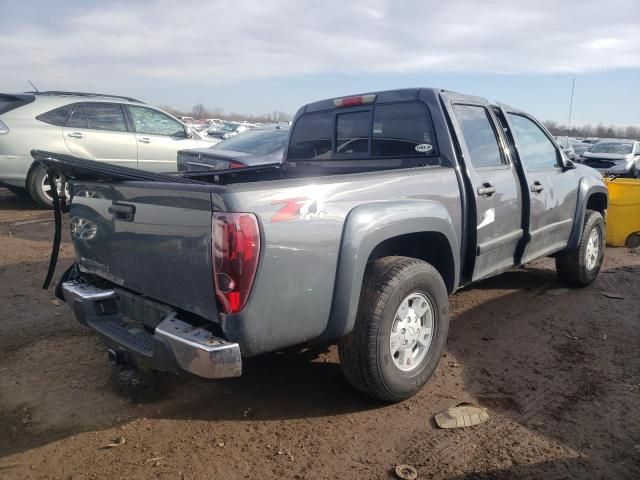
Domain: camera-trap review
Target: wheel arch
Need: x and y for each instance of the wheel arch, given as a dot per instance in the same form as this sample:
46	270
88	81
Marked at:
592	195
390	228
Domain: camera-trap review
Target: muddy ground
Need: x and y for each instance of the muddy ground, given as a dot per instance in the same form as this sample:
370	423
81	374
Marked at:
558	369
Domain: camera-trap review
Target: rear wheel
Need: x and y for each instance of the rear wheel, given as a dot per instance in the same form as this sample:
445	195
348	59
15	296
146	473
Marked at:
400	330
633	240
39	187
581	266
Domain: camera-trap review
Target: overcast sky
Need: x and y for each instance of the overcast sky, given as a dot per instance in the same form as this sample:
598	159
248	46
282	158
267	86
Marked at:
257	56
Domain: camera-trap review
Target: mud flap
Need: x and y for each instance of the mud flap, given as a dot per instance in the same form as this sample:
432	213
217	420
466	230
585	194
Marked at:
59	207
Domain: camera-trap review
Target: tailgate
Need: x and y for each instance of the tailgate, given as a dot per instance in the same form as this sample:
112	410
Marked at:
151	238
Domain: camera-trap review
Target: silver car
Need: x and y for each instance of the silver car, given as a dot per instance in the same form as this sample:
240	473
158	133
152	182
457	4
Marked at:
614	157
106	128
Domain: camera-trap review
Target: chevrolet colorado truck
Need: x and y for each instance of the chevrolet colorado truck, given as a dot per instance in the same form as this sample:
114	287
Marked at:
384	205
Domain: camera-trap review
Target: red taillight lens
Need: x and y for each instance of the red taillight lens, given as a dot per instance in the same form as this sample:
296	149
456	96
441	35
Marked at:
235	249
234	164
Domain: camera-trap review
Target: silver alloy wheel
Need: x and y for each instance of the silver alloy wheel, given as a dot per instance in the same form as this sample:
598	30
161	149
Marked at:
593	249
412	332
83	229
46	188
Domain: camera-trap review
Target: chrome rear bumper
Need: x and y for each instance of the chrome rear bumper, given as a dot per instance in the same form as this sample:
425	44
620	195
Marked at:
174	346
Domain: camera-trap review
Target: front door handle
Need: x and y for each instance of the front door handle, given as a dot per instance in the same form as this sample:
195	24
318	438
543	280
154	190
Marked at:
122	211
486	190
75	135
537	187
144	140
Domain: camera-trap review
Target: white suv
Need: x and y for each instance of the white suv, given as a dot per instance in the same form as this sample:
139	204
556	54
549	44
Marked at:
106	128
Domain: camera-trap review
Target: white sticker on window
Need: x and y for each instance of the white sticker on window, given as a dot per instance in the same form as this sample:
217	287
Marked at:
424	147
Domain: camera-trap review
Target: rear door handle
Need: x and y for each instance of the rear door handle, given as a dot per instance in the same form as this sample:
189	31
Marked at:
144	140
537	187
486	190
75	135
123	212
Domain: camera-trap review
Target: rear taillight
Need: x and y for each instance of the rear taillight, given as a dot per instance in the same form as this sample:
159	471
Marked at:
235	249
354	101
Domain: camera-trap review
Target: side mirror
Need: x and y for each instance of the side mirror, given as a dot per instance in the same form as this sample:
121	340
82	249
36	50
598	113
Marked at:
188	132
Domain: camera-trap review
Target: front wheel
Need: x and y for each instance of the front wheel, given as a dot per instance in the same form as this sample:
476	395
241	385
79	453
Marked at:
400	330
581	266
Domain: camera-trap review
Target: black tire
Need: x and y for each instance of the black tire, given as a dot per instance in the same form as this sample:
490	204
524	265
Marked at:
572	267
633	240
34	186
365	354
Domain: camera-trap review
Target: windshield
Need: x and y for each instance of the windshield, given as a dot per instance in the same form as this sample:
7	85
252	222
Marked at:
612	147
229	127
258	142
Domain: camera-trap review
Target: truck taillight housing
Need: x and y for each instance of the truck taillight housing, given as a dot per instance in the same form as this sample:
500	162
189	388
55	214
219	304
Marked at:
354	101
235	249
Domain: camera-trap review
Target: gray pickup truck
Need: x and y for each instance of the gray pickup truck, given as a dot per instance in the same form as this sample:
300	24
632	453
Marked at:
383	206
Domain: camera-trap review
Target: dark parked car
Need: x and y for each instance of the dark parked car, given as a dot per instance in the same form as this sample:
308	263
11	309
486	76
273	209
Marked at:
385	204
255	147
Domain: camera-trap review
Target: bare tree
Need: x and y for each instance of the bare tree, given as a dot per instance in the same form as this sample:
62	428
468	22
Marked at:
199	111
171	110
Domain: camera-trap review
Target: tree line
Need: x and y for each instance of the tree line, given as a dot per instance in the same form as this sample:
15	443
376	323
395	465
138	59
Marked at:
600	130
200	112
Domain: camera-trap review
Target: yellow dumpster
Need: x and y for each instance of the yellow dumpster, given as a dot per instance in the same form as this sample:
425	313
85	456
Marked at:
623	215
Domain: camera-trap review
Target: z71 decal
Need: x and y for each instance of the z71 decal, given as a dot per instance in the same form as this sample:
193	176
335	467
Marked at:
301	208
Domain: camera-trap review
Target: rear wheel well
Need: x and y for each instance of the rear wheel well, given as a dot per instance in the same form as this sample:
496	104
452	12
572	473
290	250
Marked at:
432	247
597	202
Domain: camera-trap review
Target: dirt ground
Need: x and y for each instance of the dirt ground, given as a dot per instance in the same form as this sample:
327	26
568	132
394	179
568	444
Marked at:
558	370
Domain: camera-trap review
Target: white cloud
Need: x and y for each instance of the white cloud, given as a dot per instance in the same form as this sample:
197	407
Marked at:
217	42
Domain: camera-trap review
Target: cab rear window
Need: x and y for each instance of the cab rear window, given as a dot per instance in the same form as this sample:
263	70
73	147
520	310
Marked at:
395	130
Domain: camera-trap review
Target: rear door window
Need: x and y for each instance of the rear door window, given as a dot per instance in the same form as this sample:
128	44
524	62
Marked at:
57	116
105	116
402	130
311	137
479	136
77	119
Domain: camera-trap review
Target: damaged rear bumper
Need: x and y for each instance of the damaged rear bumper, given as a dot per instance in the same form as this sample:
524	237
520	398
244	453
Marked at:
174	346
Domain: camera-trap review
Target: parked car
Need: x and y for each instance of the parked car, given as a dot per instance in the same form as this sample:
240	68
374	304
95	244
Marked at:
614	157
566	144
227	130
254	147
105	128
579	148
359	247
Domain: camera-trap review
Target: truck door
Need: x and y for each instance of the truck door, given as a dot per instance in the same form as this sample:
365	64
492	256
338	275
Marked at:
551	186
497	197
